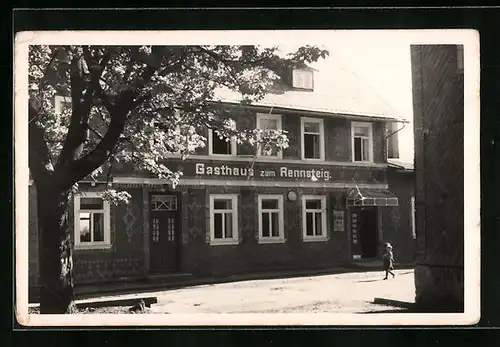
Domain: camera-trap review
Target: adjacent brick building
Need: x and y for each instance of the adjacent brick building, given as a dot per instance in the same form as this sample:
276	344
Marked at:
324	201
401	180
438	102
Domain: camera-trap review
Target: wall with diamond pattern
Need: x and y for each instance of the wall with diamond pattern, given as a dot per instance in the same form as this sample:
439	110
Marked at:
201	258
125	259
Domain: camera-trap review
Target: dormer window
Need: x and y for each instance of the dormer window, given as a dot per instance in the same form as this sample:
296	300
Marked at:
302	79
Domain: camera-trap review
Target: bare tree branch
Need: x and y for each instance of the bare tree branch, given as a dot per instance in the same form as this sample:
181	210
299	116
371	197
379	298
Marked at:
80	168
81	110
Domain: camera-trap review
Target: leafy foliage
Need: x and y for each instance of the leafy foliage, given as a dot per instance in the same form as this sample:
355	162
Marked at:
142	104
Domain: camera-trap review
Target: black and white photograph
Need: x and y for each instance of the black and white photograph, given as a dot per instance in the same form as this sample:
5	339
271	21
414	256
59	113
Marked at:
313	177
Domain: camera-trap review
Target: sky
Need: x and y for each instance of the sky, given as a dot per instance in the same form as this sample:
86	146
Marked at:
386	68
383	65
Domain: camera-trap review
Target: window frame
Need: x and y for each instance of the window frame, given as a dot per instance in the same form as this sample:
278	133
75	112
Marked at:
234	240
234	145
321	123
302	86
278	118
370	141
58	101
392	141
281	221
324	220
106	210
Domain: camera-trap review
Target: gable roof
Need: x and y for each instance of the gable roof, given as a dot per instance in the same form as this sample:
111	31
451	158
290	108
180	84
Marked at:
338	91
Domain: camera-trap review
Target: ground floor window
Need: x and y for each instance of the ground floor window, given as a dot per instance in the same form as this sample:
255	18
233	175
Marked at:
270	218
92	221
223	219
314	226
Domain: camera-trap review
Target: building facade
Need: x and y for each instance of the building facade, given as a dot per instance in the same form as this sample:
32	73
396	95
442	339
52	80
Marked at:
438	101
401	180
324	201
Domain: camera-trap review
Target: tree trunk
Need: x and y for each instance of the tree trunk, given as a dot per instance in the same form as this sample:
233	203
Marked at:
55	251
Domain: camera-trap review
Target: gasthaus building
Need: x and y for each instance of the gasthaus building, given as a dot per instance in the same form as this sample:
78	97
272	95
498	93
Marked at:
323	201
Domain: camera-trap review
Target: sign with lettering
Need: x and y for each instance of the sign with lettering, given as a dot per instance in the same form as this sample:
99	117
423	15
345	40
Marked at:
274	171
226	170
338	220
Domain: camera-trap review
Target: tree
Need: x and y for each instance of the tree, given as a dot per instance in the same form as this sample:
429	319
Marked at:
130	104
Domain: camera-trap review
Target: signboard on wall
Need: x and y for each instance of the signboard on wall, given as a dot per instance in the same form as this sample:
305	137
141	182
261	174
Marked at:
338	220
226	170
354	228
354	236
274	170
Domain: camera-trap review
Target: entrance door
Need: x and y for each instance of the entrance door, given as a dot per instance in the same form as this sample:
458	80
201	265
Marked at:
368	233
164	233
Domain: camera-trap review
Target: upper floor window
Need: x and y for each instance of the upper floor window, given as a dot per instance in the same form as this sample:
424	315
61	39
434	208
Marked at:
302	79
62	103
362	142
393	140
269	122
313	138
92	221
219	144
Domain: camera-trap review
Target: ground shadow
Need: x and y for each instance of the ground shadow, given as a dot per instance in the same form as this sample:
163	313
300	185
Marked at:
371	280
396	306
151	285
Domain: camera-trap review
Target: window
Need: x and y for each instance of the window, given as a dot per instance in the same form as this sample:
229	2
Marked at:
412	218
169	119
223	219
62	103
161	202
302	79
92	221
362	142
393	140
314	218
269	122
271	218
312	133
220	145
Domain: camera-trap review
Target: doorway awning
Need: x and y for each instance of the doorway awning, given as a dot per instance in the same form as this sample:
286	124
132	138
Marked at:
371	197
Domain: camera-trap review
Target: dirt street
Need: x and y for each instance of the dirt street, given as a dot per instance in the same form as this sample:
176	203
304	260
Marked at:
343	293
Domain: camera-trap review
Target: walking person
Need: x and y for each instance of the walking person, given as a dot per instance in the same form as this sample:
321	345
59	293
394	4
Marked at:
388	260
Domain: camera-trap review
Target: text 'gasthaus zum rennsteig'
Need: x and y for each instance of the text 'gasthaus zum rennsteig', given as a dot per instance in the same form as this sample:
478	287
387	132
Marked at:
283	172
